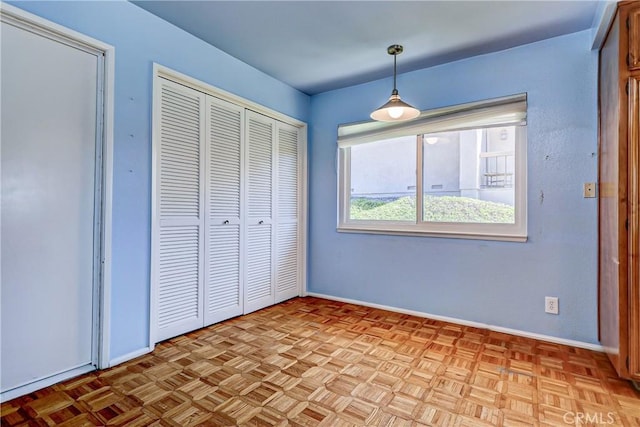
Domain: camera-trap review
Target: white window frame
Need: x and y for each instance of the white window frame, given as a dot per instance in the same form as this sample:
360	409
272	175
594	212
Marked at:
506	111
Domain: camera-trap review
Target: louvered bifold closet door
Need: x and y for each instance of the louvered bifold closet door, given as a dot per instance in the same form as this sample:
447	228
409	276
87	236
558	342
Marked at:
287	213
223	261
258	288
178	217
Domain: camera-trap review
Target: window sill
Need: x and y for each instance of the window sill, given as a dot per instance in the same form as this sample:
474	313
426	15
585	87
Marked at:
412	231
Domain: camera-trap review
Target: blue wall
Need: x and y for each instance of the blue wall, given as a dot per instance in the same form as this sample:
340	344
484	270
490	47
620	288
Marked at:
496	283
141	39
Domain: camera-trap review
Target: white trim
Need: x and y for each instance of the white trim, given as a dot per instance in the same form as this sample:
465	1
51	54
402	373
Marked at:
515	232
401	230
45	382
107	206
501	329
304	203
419	194
46	28
55	31
129	356
155	210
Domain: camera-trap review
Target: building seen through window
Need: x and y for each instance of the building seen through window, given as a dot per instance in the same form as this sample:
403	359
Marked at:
467	176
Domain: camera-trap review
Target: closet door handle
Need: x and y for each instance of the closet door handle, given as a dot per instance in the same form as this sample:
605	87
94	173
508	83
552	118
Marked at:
226	221
261	222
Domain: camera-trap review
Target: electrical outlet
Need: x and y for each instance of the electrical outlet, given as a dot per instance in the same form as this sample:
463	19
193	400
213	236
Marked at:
551	305
589	190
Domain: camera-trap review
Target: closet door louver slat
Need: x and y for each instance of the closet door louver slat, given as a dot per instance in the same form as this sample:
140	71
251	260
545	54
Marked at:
287	262
178	246
287	232
223	282
259	291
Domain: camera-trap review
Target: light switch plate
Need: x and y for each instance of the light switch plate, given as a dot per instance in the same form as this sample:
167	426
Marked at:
589	190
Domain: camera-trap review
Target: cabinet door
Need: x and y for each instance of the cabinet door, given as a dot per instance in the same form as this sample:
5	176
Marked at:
260	136
611	215
634	227
178	219
223	287
634	39
287	231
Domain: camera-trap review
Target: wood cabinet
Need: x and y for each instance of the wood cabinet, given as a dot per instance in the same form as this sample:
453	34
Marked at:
619	184
228	235
634	38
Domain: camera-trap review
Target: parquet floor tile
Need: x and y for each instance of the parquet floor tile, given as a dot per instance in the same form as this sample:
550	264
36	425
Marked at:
313	362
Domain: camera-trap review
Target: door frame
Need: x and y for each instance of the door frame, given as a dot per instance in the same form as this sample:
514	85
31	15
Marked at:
103	193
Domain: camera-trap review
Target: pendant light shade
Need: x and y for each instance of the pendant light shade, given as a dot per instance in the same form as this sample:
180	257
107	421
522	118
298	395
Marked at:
395	110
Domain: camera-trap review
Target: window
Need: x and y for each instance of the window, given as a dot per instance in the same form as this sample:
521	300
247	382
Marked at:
455	172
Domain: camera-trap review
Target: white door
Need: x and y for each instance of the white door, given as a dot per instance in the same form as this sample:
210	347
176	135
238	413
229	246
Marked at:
259	280
287	230
49	105
223	260
227	221
178	242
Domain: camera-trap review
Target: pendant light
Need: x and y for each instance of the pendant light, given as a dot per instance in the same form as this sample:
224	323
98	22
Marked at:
395	110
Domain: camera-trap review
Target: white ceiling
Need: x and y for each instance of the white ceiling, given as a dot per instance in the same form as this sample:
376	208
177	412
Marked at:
316	46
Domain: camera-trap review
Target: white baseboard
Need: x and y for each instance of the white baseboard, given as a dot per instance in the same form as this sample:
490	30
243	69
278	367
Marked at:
54	379
130	356
517	332
44	382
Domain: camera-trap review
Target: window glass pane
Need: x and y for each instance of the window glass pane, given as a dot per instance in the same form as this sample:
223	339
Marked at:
383	180
469	176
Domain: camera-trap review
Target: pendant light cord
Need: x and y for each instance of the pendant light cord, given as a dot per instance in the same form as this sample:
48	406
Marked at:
395	91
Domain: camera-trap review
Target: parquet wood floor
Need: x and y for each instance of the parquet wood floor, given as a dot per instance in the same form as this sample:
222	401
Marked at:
311	362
